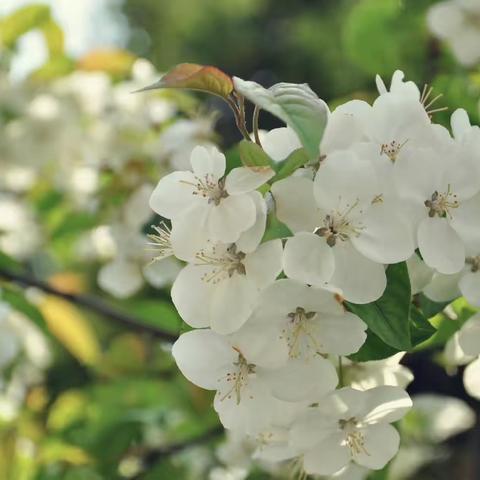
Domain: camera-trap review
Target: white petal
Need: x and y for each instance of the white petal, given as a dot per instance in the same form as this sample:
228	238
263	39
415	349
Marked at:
312	427
174	195
234	215
189	233
232	303
471	379
440	246
386	236
340	334
245	179
121	278
279	143
351	270
293	382
460	123
265	264
207	161
203	357
294	203
327	457
381	445
420	274
344	179
192	296
250	239
308	259
465	221
443	288
469	337
386	404
470	287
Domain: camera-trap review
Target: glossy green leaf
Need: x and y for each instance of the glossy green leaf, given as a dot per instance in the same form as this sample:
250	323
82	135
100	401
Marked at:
296	159
295	104
388	317
252	155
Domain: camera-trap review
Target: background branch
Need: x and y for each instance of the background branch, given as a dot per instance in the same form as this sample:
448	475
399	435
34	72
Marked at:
91	303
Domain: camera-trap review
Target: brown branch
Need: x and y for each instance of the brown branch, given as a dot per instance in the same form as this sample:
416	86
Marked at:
91	303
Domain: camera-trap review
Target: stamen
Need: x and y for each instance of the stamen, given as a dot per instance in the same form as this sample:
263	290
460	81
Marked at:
299	336
427	102
474	263
354	439
225	264
337	226
238	378
440	204
208	187
161	243
392	149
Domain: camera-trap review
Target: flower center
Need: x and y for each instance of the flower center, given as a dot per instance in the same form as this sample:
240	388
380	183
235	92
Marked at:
354	438
440	204
337	226
392	149
474	263
237	378
224	264
161	243
209	188
299	335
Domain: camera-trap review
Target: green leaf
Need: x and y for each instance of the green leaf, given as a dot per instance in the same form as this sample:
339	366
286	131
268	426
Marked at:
195	77
388	317
373	349
296	159
420	328
252	155
428	307
379	36
21	21
295	104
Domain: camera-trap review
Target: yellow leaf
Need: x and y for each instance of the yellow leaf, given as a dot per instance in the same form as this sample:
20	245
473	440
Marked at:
69	407
55	451
73	330
115	62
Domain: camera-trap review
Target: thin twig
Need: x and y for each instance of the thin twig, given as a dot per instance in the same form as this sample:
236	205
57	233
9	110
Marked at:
256	113
154	455
239	119
92	303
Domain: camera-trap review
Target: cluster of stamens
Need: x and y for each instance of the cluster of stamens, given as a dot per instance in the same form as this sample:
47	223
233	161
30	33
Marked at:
237	378
354	439
440	204
209	188
161	243
225	264
298	335
337	226
427	101
392	149
474	263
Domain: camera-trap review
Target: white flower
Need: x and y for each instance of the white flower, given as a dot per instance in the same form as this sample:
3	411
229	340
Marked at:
222	285
441	417
419	273
440	193
214	362
347	230
302	322
350	425
206	204
457	23
471	379
366	375
469	337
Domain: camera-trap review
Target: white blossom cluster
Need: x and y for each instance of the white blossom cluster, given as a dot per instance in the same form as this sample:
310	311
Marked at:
270	324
